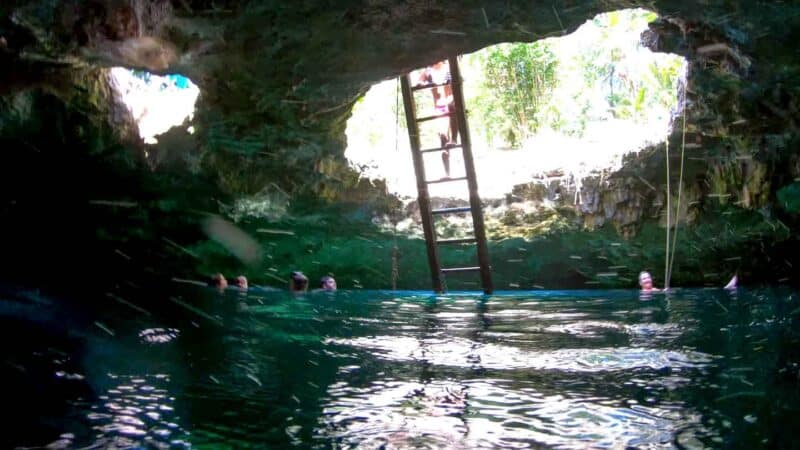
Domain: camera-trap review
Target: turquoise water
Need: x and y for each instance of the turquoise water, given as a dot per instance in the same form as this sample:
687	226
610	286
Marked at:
571	369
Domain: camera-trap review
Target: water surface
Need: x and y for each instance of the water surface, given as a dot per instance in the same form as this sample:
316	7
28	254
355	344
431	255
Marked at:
571	369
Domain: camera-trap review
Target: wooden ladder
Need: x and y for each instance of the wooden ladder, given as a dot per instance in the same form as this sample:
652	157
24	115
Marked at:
432	243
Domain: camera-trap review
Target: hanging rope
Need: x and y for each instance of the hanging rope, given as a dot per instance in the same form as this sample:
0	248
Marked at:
396	114
396	249
666	250
395	260
680	190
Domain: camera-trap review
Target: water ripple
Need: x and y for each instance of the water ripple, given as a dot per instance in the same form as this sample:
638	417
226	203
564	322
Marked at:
596	369
465	353
136	410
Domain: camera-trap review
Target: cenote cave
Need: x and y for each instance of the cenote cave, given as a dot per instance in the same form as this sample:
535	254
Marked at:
213	236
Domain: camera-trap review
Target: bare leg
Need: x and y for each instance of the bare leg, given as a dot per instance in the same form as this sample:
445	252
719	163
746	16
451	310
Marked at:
451	108
445	154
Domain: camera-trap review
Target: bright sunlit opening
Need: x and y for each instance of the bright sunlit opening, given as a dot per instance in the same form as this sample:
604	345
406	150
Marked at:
561	107
157	103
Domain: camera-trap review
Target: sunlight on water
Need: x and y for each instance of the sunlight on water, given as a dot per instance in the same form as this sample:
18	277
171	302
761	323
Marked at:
465	353
137	409
158	335
583	369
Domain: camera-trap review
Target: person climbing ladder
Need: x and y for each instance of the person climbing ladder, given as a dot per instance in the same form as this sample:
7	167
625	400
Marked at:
449	98
443	103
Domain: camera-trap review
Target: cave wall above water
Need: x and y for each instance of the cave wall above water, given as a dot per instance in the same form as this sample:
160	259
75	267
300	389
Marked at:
278	80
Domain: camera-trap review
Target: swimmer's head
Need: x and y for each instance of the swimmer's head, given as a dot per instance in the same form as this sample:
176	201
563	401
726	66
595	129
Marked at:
645	280
241	282
327	283
298	282
218	280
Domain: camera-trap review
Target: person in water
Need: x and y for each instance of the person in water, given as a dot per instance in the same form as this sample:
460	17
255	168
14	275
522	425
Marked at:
241	282
646	282
298	282
218	281
327	283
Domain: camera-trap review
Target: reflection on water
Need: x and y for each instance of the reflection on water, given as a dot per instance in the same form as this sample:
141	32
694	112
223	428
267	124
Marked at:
593	369
137	410
465	353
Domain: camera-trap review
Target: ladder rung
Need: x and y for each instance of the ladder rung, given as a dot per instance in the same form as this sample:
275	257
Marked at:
457	241
460	209
437	116
439	149
461	269
445	180
429	86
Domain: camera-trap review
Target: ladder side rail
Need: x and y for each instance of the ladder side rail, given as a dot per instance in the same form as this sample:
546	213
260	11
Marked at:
472	181
423	197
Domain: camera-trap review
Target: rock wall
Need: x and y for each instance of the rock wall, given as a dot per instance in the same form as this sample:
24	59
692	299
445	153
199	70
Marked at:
278	80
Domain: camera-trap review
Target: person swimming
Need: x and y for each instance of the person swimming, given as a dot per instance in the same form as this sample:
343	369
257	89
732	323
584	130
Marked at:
218	281
646	282
298	282
241	282
327	283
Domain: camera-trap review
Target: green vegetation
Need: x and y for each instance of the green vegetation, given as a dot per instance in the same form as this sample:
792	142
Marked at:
597	74
518	81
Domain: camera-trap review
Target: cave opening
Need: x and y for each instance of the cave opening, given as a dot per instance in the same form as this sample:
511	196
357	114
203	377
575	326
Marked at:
156	102
568	107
